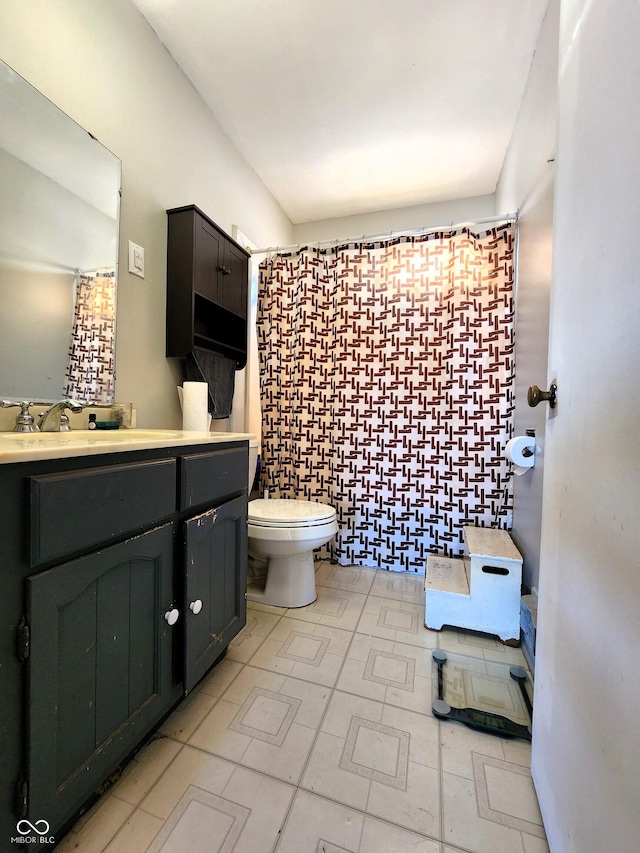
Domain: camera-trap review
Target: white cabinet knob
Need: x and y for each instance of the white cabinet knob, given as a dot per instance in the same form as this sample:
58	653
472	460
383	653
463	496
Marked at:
195	606
172	616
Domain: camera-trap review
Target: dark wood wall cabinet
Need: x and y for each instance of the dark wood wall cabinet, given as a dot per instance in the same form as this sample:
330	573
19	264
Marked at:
123	582
207	287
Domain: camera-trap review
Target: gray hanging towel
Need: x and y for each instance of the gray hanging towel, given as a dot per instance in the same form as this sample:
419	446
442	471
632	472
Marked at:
219	373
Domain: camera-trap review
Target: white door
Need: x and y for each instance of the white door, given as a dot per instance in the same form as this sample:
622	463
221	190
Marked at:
586	739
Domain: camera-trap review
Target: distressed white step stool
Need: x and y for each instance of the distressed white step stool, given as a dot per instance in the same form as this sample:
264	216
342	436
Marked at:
480	591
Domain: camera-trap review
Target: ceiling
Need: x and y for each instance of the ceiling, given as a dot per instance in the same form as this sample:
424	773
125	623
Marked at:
352	106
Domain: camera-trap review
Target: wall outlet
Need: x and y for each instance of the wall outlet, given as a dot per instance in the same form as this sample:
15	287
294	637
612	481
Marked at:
136	259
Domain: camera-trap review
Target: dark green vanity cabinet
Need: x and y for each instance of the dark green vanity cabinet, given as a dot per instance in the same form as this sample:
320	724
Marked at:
214	538
207	287
102	558
99	671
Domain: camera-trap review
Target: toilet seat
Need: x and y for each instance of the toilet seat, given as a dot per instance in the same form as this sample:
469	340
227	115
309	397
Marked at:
284	512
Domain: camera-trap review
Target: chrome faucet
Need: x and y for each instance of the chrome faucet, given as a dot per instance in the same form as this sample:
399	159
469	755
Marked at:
54	419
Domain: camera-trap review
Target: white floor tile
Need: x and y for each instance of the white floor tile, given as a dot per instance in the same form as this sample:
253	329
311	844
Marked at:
400	621
230	802
351	578
395	673
401	586
381	837
304	650
380	759
146	768
137	833
459	743
337	608
220	677
246	814
265	721
473	643
314	820
465	827
534	845
97	828
505	794
317	824
259	625
188	715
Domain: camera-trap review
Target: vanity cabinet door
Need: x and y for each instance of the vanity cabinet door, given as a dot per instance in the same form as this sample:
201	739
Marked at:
215	585
100	667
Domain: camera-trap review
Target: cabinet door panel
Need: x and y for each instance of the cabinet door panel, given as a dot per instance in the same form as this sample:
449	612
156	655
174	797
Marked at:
216	576
208	257
233	286
99	669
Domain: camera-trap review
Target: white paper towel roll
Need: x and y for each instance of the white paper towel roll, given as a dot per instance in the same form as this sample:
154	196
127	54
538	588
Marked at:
195	400
515	450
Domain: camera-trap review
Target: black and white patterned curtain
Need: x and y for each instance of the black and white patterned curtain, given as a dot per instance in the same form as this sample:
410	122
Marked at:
90	373
386	374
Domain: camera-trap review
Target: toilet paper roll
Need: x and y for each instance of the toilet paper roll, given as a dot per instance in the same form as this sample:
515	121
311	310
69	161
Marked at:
520	451
195	399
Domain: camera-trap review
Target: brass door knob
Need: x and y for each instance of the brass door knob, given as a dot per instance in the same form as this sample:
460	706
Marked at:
535	395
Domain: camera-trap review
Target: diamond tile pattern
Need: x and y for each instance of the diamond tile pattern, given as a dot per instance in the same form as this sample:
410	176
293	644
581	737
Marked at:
386	375
389	669
320	737
266	716
377	752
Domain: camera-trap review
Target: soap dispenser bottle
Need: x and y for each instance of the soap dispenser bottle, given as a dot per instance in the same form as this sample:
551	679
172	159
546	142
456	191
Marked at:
92	422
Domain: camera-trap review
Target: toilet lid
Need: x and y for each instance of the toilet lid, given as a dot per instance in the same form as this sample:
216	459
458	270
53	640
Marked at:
283	512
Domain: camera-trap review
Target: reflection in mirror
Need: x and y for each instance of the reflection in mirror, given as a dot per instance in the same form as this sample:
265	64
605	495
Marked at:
59	209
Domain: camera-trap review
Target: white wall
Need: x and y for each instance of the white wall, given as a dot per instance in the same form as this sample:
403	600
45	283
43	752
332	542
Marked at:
103	65
526	184
419	216
47	298
586	743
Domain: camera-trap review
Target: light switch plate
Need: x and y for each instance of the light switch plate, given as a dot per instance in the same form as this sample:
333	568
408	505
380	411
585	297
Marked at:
136	259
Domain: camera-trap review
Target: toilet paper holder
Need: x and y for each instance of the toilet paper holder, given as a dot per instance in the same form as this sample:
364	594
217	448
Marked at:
535	395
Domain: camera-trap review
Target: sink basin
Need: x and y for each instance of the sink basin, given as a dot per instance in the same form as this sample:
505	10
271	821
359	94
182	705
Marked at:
91	435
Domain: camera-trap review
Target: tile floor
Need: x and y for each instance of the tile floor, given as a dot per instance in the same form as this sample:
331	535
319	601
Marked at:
315	733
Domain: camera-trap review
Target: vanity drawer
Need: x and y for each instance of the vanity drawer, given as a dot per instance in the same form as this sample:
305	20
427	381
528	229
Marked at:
210	477
74	510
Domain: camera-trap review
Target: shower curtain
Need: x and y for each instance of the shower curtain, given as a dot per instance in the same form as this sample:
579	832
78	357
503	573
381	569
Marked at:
89	377
386	377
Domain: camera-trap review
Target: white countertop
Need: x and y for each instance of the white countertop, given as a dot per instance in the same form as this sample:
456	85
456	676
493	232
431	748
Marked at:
32	446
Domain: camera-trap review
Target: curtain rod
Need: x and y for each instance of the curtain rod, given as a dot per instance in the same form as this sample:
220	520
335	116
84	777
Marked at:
386	235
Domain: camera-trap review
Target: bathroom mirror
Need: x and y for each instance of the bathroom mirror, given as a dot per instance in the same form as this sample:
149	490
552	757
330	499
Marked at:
59	215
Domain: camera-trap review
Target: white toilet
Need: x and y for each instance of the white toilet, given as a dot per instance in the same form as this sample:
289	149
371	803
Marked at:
285	533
